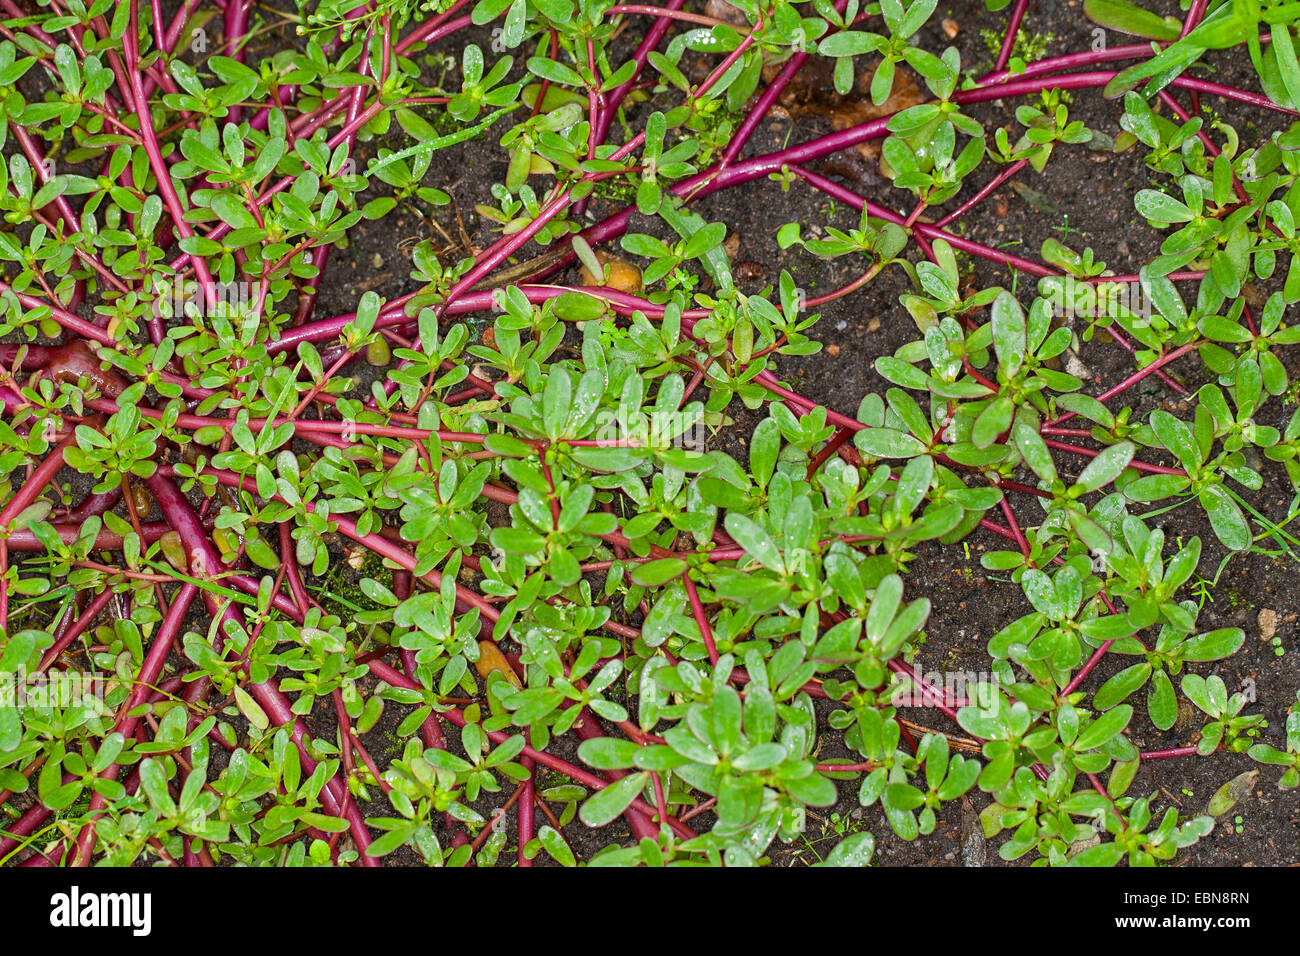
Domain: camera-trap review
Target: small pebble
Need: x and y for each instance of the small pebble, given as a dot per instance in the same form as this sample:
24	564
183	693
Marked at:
1267	623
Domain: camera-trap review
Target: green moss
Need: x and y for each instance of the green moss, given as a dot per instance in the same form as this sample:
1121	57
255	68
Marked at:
341	594
1027	47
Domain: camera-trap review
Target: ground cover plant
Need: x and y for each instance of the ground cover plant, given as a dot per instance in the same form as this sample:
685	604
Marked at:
519	542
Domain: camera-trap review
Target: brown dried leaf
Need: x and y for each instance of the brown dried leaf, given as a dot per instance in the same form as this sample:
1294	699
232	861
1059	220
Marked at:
491	659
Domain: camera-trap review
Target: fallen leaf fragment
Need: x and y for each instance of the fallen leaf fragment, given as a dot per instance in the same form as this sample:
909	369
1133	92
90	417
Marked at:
491	659
1232	793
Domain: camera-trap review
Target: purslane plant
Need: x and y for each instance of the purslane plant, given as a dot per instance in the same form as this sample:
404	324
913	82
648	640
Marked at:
547	552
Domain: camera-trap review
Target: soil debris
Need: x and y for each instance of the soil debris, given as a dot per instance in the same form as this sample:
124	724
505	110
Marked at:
1267	624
